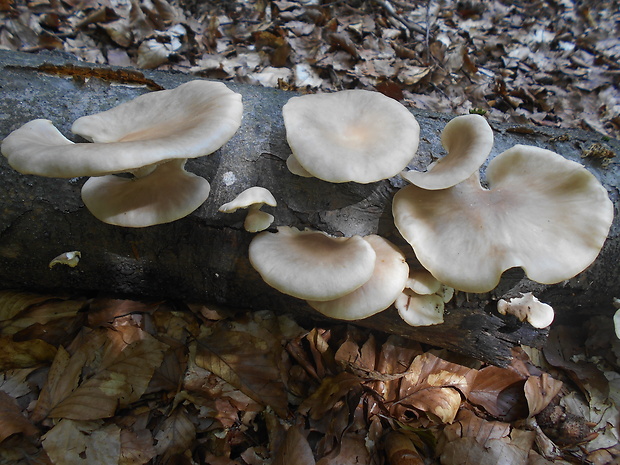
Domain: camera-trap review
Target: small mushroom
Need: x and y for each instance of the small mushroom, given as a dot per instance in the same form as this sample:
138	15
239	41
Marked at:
468	139
378	293
420	310
423	283
541	212
423	300
164	195
527	307
253	199
71	259
351	135
312	265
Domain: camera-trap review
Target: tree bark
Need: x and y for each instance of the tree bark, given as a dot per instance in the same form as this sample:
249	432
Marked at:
203	257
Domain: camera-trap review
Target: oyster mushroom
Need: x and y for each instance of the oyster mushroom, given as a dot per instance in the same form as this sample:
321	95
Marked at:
352	135
253	199
192	120
541	212
312	265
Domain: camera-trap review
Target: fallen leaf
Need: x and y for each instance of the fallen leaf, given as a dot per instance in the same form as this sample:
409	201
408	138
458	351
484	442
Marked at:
539	390
24	354
83	442
331	390
103	368
137	447
295	449
350	451
12	421
247	362
500	392
401	451
175	435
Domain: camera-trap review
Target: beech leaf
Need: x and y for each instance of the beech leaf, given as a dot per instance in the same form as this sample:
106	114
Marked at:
11	419
247	362
83	443
103	368
295	449
539	390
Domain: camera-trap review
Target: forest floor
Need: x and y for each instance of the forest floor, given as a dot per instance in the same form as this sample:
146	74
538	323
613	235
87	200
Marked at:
104	381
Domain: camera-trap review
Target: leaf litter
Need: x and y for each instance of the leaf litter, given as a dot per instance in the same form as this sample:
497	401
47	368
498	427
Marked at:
167	382
526	62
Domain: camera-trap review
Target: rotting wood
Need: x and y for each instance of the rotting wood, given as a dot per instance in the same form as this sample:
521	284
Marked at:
203	258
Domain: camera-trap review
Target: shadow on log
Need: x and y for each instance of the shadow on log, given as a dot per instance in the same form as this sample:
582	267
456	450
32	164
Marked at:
203	257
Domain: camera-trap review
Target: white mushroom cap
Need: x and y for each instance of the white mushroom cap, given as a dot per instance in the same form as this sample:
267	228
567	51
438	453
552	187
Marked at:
351	135
528	307
165	195
542	212
294	167
379	292
193	120
254	196
420	310
468	139
253	199
422	282
312	265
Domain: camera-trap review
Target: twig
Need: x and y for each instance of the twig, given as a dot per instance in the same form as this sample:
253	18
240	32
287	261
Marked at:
391	11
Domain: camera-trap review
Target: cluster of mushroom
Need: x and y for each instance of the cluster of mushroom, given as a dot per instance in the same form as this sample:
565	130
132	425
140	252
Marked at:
540	212
150	137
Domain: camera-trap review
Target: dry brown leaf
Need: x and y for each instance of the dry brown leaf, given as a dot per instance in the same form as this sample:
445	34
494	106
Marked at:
13	382
80	442
24	354
474	441
103	311
43	314
434	385
105	367
14	302
136	447
246	361
294	450
12	421
500	392
331	390
350	451
539	390
401	451
175	435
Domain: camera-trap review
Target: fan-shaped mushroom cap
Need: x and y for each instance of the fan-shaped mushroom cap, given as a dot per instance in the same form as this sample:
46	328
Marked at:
294	167
252	196
351	135
190	121
165	195
423	283
253	199
312	265
468	139
527	307
542	212
420	310
378	293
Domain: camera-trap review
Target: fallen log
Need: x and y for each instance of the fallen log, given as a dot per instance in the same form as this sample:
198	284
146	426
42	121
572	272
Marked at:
203	257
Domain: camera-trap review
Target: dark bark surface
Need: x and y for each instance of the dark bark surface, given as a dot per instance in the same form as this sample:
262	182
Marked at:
203	257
